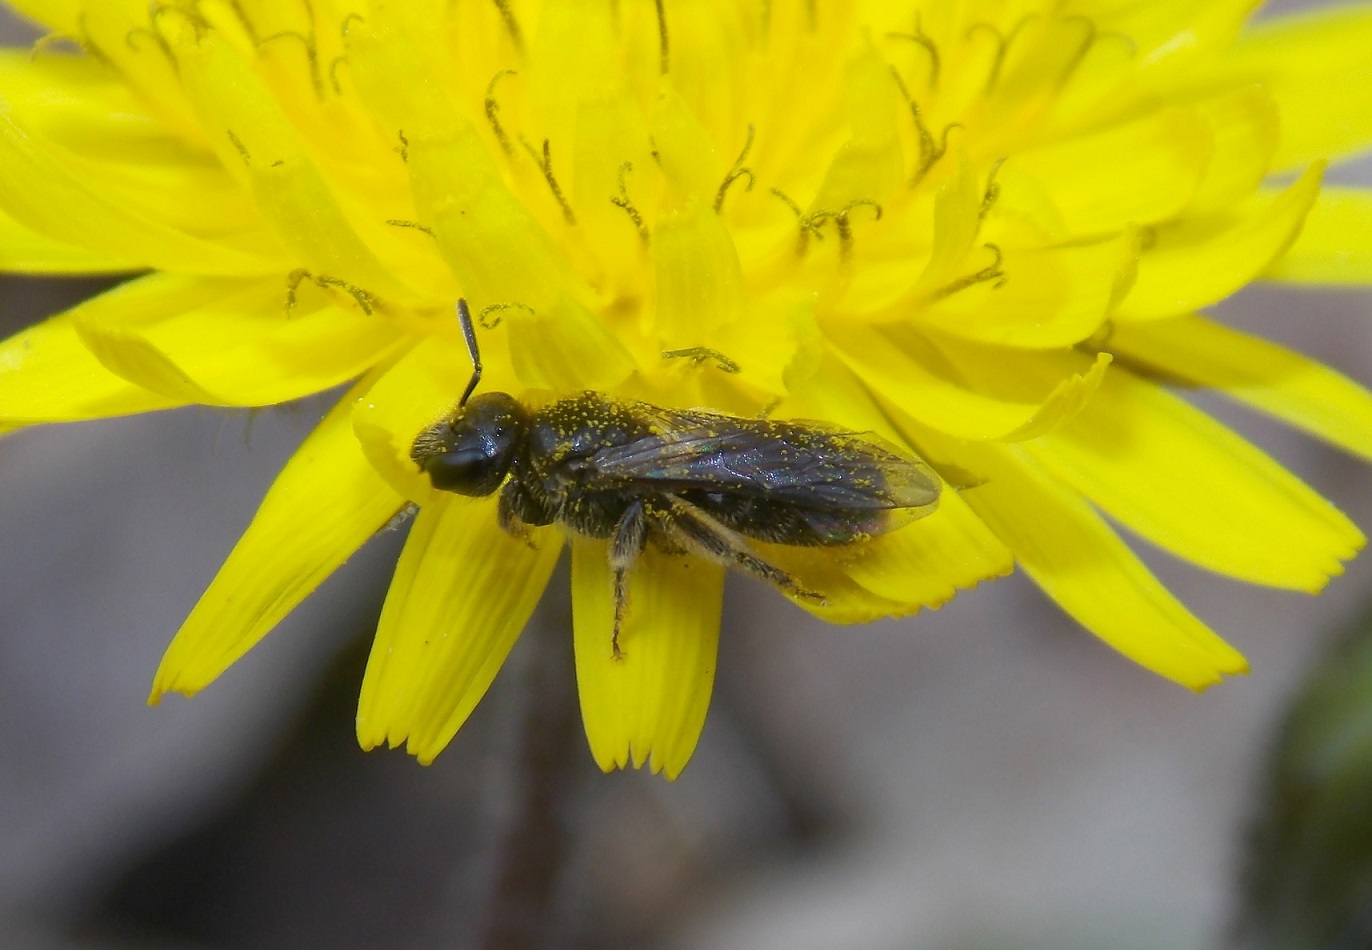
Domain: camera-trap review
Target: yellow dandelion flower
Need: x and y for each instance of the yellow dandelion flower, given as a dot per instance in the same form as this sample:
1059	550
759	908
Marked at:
984	231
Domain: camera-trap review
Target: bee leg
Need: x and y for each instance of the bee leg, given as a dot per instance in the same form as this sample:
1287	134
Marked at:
693	528
626	544
516	511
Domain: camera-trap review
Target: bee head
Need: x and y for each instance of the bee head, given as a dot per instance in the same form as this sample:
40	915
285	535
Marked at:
471	451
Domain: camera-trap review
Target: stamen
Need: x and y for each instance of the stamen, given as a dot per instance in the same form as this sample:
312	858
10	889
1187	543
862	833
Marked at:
364	299
493	111
699	354
50	40
413	225
511	25
992	192
811	224
662	37
237	8
1002	45
404	147
158	38
311	51
623	201
1091	38
293	281
738	171
339	60
490	323
929	151
239	146
843	224
298	276
545	165
1088	40
84	40
808	227
991	273
920	39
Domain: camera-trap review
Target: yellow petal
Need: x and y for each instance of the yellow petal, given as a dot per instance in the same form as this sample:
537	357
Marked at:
1251	370
323	506
120	148
900	367
288	186
24	251
1193	487
1047	297
48	375
699	279
1246	128
688	158
1196	263
649	705
1161	157
1172	36
462	592
957	220
1316	66
42	191
498	251
870	165
1335	245
1070	552
244	349
565	347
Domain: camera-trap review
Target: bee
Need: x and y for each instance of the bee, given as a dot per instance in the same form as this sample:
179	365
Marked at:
685	481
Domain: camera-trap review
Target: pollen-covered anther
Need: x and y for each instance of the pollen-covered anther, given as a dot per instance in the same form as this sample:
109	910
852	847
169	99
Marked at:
1002	41
154	30
492	107
992	192
993	272
364	299
919	38
544	160
412	225
623	201
311	46
490	318
699	354
737	171
930	150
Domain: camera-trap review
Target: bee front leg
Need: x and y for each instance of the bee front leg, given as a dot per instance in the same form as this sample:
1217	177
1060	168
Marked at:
516	511
626	544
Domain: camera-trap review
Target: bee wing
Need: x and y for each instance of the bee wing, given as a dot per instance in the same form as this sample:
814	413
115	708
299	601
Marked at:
804	464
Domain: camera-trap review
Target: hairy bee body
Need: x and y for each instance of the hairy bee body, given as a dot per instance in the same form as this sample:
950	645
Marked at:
682	480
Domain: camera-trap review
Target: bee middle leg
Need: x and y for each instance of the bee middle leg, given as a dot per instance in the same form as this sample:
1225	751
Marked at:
686	524
626	544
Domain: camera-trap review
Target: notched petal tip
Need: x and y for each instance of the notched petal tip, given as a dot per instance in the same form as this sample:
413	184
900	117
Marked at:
648	706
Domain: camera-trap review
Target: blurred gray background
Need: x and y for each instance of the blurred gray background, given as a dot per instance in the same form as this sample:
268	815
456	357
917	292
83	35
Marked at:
984	776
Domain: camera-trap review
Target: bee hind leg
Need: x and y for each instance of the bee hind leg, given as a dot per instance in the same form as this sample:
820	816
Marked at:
694	529
626	544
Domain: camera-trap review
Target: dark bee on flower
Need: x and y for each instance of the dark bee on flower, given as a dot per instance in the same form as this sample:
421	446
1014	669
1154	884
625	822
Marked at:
683	480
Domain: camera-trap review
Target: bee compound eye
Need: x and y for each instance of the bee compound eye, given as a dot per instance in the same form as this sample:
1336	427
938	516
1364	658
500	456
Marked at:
468	470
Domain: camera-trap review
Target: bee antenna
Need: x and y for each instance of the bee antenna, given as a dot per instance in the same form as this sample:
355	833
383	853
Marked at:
464	320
